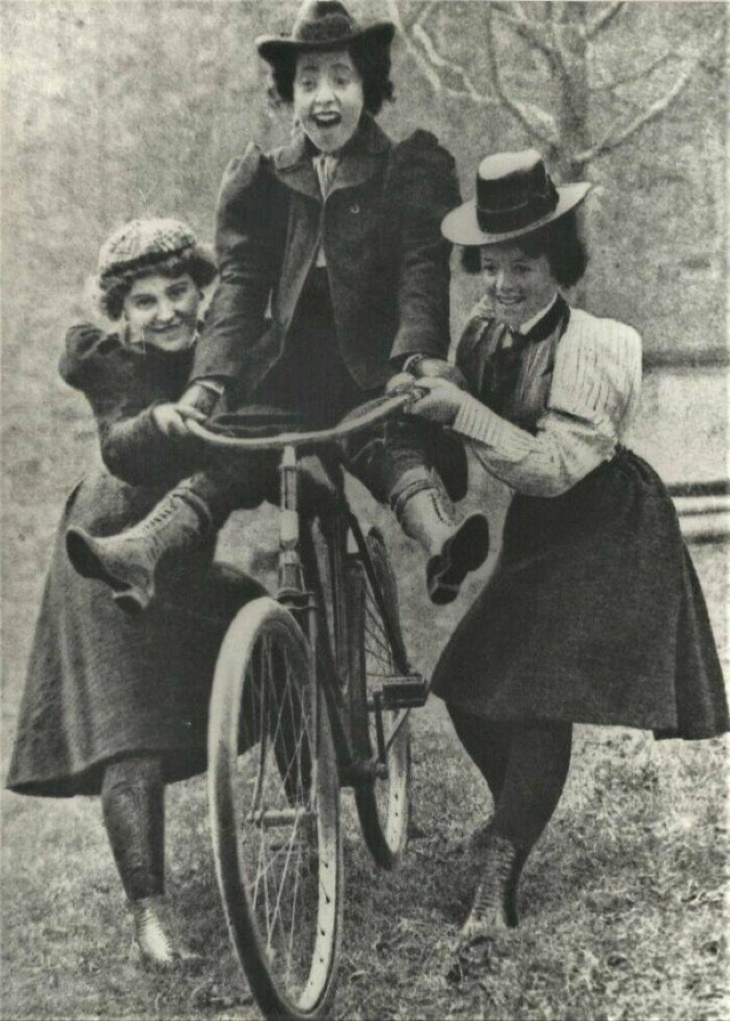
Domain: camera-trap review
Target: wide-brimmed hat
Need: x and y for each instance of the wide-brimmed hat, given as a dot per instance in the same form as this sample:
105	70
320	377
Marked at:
322	25
515	195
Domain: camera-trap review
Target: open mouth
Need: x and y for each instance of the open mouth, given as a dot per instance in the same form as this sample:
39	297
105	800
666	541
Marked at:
166	329
327	120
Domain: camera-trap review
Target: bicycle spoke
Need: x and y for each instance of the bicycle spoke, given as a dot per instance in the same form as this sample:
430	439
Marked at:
382	805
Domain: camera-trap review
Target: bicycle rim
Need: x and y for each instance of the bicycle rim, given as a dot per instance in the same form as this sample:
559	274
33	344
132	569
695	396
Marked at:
383	803
274	802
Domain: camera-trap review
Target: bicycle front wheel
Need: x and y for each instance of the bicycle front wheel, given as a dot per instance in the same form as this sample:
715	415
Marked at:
274	804
377	654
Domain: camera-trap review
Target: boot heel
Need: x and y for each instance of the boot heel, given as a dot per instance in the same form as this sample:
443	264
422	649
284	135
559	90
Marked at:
133	601
465	551
81	551
127	562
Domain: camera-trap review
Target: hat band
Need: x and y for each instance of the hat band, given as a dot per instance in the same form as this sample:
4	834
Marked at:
147	259
330	28
502	221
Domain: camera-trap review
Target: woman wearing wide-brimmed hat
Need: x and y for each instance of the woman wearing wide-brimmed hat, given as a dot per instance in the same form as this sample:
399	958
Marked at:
113	705
594	613
333	275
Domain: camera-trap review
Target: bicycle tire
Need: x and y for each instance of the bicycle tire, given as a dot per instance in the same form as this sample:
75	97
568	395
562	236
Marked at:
383	803
274	805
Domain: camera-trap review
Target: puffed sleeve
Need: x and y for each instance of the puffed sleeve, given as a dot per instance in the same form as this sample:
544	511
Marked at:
235	319
131	445
84	360
595	390
425	188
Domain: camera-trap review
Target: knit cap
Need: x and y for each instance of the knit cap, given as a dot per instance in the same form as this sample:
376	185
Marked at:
143	242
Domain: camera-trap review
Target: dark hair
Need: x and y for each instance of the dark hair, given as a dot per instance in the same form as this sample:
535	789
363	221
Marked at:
371	59
560	242
115	287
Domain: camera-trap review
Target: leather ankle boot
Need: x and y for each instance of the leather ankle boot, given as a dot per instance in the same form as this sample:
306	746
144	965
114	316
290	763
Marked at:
494	907
127	562
152	939
454	548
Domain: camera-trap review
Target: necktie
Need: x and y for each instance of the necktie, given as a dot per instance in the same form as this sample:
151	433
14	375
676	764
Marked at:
502	369
326	167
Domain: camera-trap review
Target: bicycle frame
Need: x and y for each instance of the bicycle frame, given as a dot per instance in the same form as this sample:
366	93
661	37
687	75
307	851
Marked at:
310	670
298	568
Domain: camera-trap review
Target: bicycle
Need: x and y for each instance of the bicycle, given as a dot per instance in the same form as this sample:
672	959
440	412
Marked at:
312	693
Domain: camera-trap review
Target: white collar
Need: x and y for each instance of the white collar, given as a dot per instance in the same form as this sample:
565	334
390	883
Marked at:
527	326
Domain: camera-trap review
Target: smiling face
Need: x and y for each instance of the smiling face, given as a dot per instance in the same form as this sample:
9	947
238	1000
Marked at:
162	311
328	98
516	285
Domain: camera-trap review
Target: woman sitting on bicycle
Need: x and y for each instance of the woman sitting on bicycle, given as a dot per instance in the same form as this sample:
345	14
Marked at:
337	234
113	705
594	613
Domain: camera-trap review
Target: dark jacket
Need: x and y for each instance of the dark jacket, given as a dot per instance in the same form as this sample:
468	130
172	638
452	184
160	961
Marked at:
101	685
387	263
123	384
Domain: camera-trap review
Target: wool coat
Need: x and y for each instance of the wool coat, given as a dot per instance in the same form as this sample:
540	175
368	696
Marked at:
102	685
387	263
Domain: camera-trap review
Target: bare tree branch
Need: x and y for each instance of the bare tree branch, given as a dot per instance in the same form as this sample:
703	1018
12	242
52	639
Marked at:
518	110
415	12
514	16
428	72
559	60
470	90
431	62
616	136
604	18
644	72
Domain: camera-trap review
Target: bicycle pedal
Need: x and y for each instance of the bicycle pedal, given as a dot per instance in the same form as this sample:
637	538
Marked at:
405	692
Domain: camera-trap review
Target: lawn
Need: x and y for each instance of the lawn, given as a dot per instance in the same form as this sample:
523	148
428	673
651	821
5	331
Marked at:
622	901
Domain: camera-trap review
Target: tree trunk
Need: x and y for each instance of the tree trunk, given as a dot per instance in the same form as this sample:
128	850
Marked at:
574	108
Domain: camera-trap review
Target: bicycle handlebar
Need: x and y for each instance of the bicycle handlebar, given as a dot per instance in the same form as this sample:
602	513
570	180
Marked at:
371	413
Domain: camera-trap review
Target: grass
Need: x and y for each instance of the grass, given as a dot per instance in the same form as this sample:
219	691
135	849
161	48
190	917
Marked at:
622	900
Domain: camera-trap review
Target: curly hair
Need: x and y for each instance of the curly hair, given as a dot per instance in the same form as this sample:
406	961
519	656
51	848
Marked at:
372	61
560	242
115	287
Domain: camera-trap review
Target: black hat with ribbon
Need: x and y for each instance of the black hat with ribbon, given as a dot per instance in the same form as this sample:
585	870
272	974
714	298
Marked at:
322	25
515	195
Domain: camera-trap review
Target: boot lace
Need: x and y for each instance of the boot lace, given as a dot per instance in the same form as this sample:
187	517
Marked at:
150	934
493	889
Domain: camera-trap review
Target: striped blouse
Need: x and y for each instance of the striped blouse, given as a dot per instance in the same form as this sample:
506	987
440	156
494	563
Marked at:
580	390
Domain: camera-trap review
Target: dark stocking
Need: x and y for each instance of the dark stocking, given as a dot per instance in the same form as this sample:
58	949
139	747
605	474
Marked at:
132	798
487	744
524	764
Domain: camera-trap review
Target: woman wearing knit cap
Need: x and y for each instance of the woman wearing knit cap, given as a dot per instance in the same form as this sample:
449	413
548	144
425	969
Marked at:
112	705
336	236
594	613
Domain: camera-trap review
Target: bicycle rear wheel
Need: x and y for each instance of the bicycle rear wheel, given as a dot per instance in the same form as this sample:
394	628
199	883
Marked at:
274	804
376	654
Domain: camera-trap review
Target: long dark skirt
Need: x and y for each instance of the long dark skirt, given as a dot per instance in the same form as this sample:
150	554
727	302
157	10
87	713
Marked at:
102	685
594	615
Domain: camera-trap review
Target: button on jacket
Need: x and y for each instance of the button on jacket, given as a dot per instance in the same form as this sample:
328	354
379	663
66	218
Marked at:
387	263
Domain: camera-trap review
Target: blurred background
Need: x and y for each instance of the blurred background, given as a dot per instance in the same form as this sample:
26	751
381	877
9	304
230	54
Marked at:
115	110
